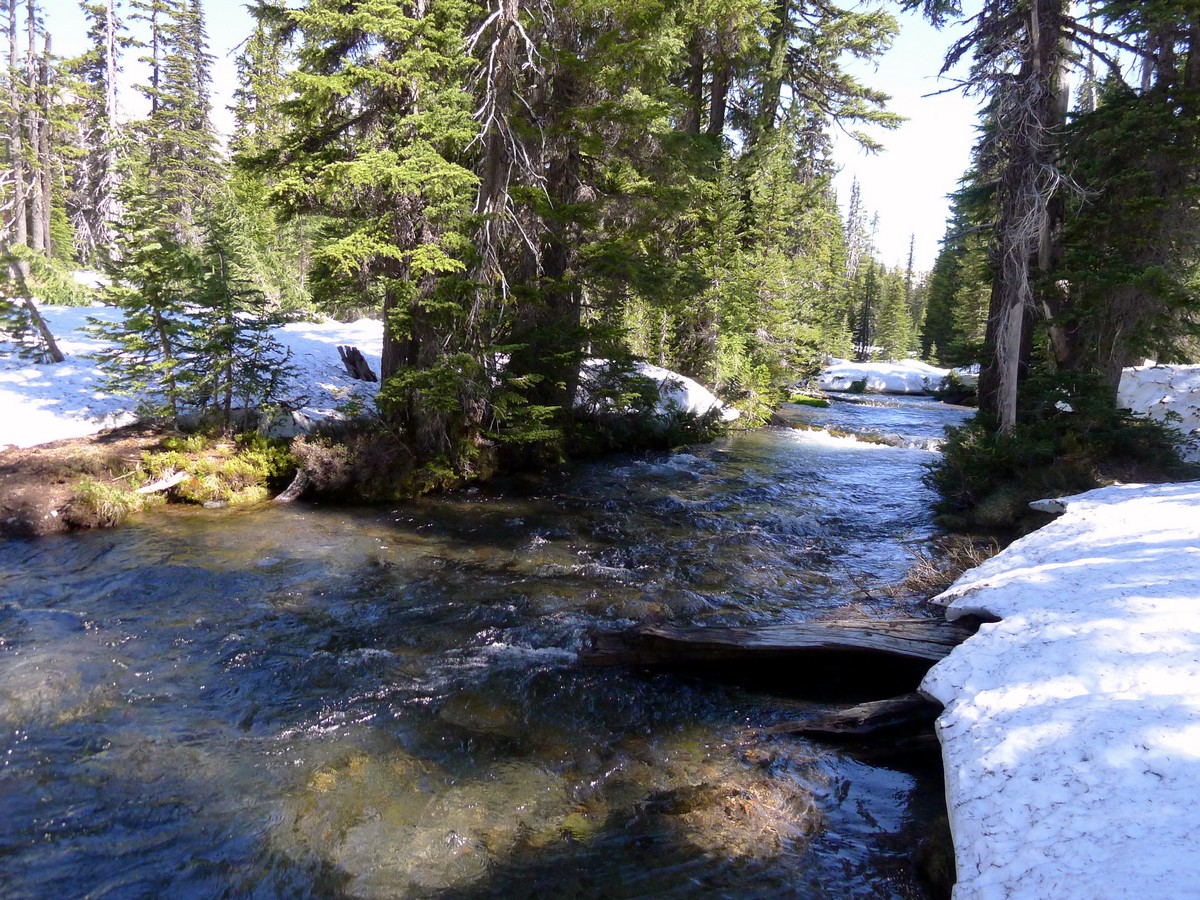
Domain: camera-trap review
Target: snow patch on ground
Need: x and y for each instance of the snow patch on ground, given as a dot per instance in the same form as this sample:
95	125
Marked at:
48	402
680	393
1071	734
908	377
40	403
676	393
1169	394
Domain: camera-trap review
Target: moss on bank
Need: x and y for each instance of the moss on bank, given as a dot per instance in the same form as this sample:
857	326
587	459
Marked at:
101	480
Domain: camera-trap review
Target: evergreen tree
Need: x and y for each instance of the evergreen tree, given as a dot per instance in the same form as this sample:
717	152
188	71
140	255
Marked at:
1131	261
232	361
277	257
151	273
378	121
155	264
893	330
91	202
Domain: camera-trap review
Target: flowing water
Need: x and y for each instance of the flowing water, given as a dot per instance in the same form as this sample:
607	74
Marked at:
305	701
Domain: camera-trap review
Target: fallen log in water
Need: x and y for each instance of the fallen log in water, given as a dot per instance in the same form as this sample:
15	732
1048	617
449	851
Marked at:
855	657
906	713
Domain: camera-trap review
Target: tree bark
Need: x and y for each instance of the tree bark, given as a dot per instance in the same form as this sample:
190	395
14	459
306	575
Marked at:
771	91
1029	106
20	226
33	132
719	103
693	78
45	174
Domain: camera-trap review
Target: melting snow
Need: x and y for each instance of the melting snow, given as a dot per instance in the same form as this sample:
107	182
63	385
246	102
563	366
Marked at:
908	377
1170	394
40	403
1071	735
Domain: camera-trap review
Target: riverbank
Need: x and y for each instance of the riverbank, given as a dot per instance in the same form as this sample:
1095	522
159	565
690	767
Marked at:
1071	730
64	435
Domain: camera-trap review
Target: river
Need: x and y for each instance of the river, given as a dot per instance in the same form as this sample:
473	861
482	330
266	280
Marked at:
310	701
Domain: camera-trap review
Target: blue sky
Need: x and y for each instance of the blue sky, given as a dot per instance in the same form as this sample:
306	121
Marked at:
906	184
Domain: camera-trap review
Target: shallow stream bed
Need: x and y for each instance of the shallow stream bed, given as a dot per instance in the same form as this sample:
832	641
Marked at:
386	703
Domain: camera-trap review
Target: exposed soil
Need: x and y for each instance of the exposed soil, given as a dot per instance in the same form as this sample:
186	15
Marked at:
38	484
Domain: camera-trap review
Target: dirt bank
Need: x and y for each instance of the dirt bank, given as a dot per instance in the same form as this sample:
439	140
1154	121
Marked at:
39	486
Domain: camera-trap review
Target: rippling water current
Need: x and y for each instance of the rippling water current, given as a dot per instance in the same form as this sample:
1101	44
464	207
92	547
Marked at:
386	703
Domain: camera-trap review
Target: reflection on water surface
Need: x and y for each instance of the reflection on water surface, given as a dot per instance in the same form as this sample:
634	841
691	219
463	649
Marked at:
384	703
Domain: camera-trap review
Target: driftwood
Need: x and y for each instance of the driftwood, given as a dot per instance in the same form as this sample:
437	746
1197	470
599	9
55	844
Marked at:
919	639
163	484
294	490
906	713
356	364
846	658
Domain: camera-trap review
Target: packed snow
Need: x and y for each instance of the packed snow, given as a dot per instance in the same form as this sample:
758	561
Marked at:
1169	394
1071	734
908	377
678	392
48	402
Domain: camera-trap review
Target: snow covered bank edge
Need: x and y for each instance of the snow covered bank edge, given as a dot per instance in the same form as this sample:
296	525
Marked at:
1071	730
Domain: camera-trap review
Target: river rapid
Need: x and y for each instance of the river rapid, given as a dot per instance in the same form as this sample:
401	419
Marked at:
310	701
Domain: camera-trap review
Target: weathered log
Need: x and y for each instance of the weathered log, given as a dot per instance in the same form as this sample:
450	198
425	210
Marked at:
918	639
294	490
163	484
907	713
356	364
849	658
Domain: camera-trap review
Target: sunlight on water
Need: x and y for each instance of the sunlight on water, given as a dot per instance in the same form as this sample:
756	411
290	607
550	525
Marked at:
385	703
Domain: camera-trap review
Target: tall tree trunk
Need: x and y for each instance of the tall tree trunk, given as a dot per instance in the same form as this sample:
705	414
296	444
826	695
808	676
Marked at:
719	102
45	173
549	325
20	213
1027	113
33	131
771	91
693	82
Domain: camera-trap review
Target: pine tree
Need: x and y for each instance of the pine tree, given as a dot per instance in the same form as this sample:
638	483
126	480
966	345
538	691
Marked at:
231	359
1131	261
1019	51
151	272
893	330
277	257
379	118
176	146
156	264
92	204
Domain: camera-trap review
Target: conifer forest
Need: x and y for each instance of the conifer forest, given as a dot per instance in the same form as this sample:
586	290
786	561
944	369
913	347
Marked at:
517	186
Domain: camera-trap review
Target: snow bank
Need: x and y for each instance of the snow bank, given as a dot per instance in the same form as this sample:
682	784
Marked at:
676	393
1071	734
1169	394
679	393
40	403
908	377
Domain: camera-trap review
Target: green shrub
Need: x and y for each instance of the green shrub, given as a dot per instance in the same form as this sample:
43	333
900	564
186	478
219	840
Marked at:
239	472
1069	439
